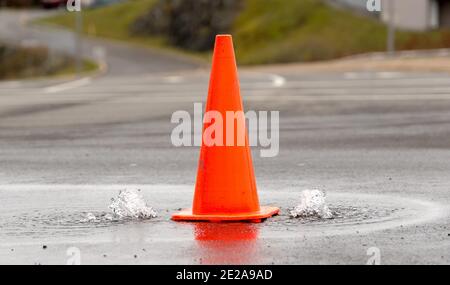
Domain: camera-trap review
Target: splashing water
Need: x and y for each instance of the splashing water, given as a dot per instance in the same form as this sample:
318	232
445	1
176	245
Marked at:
312	204
89	218
131	204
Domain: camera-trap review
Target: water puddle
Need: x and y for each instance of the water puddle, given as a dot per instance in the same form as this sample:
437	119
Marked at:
127	208
74	213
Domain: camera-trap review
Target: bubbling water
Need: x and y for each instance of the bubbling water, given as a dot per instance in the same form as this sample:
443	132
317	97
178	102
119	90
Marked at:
312	204
131	204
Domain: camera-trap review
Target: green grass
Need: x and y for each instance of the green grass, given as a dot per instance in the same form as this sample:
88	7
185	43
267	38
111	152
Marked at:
27	62
309	30
113	22
304	30
110	21
87	67
270	31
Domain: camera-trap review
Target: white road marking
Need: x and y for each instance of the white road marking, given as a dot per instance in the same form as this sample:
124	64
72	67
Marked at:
364	82
277	80
257	98
351	75
377	97
11	84
173	79
68	85
372	75
388	75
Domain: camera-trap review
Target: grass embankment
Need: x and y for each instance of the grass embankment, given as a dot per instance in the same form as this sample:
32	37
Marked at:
270	31
25	62
111	22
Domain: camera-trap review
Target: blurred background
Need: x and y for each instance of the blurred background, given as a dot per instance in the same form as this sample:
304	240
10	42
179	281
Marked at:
265	31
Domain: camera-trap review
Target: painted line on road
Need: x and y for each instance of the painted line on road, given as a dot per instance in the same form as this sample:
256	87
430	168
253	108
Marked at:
371	75
378	97
11	84
351	75
286	98
277	80
68	85
389	75
173	79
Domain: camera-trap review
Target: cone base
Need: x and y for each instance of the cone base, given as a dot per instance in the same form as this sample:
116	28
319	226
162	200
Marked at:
264	213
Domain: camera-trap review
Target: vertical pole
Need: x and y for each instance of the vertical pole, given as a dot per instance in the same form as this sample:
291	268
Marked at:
78	42
391	28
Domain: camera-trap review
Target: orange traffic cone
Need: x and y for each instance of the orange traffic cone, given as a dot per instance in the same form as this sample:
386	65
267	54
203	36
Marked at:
226	187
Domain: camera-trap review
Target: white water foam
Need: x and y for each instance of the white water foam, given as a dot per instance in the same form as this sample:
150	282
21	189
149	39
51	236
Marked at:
312	204
89	218
131	204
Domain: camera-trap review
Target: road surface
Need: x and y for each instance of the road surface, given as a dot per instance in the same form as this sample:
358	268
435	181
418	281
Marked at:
377	142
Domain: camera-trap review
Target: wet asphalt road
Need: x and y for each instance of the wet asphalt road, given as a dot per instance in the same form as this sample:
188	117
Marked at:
382	134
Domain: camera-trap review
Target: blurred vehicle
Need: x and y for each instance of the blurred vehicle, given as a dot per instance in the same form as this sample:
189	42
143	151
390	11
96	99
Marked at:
98	3
19	3
48	4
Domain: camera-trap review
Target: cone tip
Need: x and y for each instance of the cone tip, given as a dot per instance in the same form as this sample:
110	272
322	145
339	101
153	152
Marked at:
224	46
224	36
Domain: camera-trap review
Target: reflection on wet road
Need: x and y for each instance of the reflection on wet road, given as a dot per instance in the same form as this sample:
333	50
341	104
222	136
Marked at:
227	243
